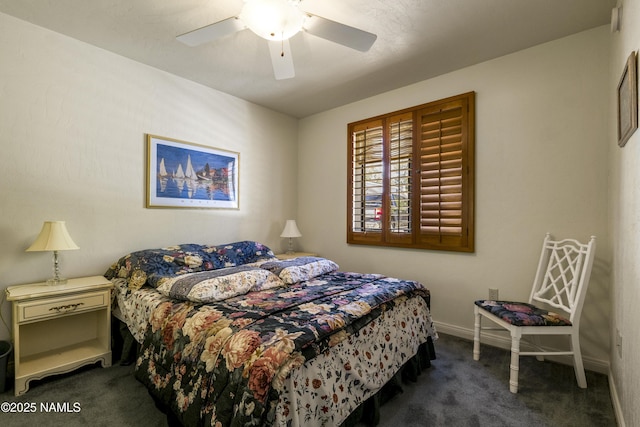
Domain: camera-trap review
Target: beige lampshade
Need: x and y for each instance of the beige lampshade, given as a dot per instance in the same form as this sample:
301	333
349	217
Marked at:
53	237
291	229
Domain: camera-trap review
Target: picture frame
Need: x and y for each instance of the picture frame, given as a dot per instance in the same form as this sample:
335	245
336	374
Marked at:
628	101
183	174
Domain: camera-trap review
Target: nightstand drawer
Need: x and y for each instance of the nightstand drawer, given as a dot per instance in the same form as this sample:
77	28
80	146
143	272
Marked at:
36	310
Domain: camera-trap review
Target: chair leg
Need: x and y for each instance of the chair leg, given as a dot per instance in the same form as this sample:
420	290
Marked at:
476	332
515	363
577	361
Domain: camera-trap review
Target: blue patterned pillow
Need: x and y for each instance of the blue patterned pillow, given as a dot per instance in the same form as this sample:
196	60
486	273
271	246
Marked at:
138	267
238	253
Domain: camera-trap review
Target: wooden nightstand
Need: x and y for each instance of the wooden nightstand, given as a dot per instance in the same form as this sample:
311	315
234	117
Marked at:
58	328
294	255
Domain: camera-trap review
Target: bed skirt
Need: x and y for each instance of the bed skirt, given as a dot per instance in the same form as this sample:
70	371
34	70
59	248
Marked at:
124	349
369	412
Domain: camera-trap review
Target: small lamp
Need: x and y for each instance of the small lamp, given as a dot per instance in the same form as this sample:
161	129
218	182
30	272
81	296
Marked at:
290	231
54	237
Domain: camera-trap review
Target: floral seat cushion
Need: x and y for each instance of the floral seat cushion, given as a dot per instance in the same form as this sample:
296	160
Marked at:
522	314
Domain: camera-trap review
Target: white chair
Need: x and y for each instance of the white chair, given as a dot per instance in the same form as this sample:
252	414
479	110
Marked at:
561	283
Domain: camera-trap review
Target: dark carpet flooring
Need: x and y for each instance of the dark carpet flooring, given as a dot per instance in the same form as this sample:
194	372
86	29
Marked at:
458	391
455	391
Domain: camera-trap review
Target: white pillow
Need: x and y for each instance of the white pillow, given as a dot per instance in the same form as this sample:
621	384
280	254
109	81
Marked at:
217	285
299	269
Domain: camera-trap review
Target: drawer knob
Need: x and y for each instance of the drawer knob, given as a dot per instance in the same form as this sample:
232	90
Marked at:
66	308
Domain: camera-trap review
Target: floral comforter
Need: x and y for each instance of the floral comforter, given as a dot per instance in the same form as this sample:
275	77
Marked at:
224	363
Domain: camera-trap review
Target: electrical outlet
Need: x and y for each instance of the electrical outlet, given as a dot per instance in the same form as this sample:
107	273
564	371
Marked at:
619	343
493	294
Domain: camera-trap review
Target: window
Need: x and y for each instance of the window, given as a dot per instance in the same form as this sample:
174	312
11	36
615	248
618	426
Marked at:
411	177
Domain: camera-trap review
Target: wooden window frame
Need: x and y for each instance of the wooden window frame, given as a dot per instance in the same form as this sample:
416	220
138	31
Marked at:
439	187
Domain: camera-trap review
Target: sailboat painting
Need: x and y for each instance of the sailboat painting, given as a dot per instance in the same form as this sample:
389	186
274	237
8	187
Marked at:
186	175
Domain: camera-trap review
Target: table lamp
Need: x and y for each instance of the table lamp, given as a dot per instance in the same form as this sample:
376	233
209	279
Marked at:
54	237
290	231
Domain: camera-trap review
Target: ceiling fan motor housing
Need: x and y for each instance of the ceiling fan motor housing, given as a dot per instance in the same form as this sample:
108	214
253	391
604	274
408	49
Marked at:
273	19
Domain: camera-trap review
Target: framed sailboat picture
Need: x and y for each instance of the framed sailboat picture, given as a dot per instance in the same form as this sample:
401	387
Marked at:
186	175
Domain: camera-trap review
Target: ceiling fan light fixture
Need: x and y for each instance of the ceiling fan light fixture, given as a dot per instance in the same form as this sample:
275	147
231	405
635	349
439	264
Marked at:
273	19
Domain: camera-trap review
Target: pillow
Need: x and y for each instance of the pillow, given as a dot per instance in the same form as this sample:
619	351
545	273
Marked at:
139	266
179	259
238	253
215	285
299	269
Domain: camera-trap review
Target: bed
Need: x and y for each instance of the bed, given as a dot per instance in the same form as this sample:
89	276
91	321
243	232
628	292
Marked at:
229	335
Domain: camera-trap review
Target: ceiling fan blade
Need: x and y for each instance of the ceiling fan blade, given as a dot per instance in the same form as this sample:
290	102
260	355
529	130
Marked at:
281	59
212	32
339	33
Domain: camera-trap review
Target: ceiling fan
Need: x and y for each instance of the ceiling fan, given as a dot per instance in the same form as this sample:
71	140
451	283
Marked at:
277	21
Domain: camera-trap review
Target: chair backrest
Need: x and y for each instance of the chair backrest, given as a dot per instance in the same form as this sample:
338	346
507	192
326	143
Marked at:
563	275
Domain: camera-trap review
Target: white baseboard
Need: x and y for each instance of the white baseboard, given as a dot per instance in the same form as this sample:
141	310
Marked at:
615	401
503	341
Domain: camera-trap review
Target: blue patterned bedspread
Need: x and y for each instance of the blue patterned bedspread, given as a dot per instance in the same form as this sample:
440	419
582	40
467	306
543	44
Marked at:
223	363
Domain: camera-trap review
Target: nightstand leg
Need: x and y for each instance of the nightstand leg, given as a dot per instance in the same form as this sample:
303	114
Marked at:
106	361
21	386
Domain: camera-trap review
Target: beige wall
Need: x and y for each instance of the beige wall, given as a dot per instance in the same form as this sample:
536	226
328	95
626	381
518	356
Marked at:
72	124
624	220
541	149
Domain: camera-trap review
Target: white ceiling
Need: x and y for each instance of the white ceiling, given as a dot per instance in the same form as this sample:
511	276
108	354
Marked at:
417	40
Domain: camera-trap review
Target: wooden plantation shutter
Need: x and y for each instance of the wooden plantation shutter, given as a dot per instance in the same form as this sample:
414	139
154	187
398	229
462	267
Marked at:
398	221
446	201
366	180
411	178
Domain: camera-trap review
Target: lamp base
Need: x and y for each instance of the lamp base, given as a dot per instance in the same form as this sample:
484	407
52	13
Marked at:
290	247
56	279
